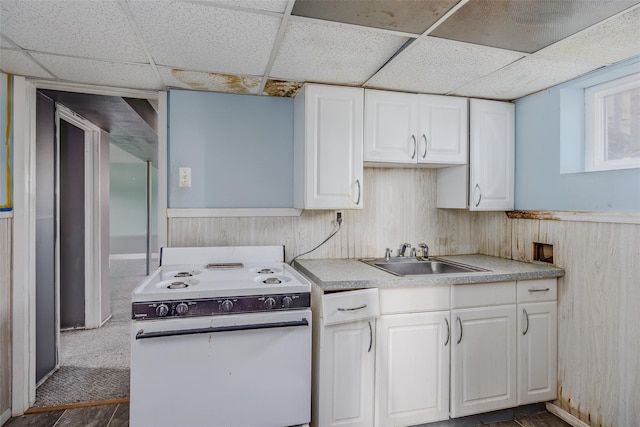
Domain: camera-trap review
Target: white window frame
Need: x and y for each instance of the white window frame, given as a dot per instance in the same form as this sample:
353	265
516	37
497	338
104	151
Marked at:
595	125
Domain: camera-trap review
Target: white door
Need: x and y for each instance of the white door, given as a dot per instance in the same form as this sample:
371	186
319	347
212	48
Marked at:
492	150
332	137
443	132
391	124
346	375
412	369
483	359
537	352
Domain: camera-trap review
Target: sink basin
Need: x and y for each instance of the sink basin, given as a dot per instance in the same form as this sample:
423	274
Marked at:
417	267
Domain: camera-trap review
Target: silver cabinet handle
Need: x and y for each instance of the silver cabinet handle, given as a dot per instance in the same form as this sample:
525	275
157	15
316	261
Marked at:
424	155
415	147
370	337
460	323
353	308
359	191
526	316
539	290
448	331
477	190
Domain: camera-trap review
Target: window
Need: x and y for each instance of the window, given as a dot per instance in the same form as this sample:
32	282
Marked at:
612	118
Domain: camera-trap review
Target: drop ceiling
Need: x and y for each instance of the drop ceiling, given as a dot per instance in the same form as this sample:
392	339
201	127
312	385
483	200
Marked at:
495	49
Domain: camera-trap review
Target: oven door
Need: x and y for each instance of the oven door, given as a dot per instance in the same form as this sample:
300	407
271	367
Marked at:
244	370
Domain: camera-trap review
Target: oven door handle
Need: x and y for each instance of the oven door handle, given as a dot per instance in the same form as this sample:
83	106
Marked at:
158	334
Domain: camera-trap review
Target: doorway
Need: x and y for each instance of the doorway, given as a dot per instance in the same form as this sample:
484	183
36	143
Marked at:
82	341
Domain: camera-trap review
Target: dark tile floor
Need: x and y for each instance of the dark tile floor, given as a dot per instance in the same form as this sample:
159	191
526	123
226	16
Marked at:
118	416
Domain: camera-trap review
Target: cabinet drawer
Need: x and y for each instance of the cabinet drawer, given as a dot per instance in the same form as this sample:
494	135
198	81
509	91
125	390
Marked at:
481	294
411	300
341	307
537	290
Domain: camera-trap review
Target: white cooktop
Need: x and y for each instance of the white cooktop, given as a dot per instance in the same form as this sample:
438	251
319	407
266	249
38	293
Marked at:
223	274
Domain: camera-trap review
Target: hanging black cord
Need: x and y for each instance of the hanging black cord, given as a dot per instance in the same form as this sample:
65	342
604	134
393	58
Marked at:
323	242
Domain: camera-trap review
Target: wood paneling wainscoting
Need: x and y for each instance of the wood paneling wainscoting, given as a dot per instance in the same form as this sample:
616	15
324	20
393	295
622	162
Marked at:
399	207
5	317
598	315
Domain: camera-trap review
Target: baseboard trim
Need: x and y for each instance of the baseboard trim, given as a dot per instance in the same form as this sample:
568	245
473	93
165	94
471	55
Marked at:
131	256
565	416
4	417
76	405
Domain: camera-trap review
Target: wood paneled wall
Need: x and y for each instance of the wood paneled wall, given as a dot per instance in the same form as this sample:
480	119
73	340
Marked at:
5	317
598	315
399	207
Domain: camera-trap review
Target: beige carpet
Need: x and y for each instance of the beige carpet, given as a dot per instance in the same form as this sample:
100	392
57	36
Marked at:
94	363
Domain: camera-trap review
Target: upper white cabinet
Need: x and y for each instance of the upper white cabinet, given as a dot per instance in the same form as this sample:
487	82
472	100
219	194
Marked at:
488	183
328	134
405	128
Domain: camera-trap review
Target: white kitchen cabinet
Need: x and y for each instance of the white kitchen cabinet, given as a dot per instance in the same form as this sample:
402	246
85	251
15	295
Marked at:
412	368
488	182
483	348
537	341
328	138
410	129
345	389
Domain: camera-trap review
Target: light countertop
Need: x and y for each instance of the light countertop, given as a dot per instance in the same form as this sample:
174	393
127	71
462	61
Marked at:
342	274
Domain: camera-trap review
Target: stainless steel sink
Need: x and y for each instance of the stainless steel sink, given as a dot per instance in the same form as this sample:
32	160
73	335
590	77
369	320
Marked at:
416	267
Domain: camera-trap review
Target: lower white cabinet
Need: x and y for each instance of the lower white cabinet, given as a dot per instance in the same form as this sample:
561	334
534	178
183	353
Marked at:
412	369
346	380
537	341
483	359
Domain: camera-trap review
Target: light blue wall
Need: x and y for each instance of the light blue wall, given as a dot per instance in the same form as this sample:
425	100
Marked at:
550	139
128	199
239	149
5	143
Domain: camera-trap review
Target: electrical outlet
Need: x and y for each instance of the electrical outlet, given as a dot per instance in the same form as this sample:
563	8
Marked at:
184	177
339	217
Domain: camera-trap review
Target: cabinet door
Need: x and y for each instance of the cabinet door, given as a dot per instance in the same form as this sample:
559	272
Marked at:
391	123
328	133
483	359
345	379
492	162
537	352
443	130
412	368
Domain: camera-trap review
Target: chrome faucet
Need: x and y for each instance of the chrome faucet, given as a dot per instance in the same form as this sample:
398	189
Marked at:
425	250
387	254
403	248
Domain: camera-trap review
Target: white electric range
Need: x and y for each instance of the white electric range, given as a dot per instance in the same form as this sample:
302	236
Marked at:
221	336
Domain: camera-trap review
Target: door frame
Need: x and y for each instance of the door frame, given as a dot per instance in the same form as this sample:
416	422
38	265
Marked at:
23	384
92	218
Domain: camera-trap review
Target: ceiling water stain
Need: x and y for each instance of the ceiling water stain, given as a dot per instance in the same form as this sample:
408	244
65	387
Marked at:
227	83
282	88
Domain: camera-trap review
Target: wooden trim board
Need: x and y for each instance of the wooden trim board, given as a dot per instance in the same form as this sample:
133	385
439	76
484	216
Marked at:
565	416
76	405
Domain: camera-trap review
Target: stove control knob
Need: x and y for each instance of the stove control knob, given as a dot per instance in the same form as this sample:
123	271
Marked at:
269	303
162	310
182	309
286	302
227	305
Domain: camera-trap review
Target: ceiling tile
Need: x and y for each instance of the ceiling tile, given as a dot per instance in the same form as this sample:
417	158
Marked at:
16	62
438	66
198	80
196	37
523	25
94	29
278	6
594	44
332	53
409	16
529	75
100	72
4	43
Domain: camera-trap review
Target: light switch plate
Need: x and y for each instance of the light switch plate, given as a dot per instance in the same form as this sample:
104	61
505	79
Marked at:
185	177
